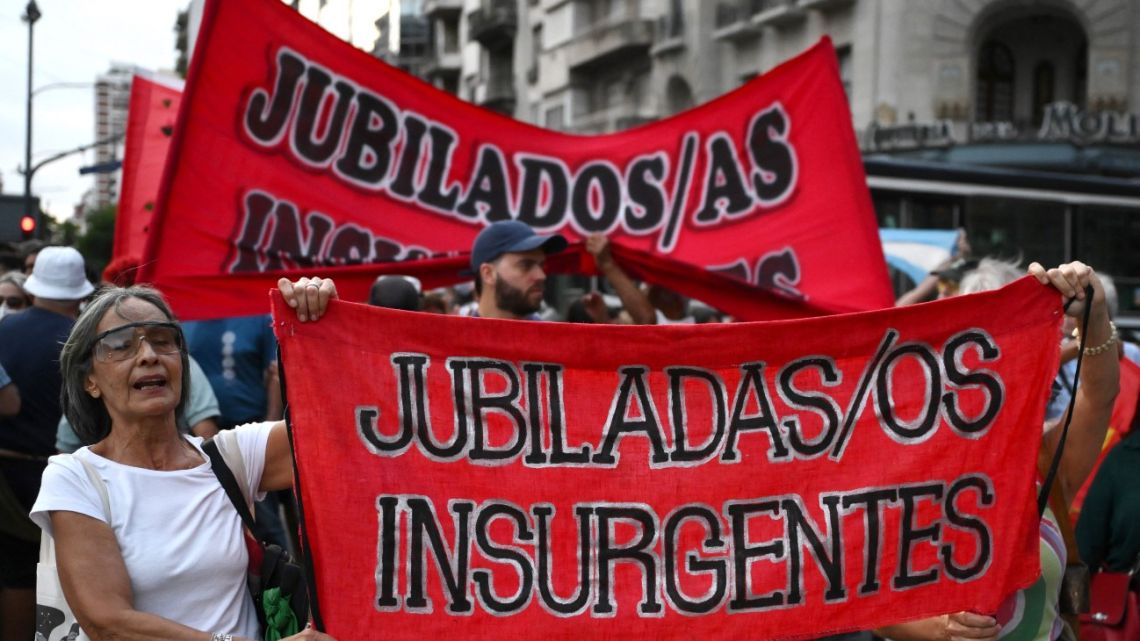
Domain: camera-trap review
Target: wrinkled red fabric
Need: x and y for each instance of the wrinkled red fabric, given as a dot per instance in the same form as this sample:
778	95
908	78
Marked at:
151	117
296	153
413	541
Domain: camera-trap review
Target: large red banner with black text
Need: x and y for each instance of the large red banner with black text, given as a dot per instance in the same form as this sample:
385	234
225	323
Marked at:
745	481
296	153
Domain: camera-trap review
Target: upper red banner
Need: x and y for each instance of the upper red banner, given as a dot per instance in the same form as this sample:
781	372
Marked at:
150	125
295	152
744	481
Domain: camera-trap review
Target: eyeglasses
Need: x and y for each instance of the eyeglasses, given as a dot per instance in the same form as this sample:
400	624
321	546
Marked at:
14	302
123	342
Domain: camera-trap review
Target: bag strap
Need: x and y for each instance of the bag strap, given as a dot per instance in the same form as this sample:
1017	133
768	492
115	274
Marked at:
306	547
100	485
229	483
1051	475
230	448
47	542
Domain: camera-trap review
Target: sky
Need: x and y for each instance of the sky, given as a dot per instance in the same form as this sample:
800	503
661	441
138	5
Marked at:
75	41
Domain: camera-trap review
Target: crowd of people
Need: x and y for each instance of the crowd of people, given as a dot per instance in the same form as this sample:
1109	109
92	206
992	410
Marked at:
112	377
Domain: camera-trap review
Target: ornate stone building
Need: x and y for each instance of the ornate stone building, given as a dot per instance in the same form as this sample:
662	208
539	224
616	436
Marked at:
1018	120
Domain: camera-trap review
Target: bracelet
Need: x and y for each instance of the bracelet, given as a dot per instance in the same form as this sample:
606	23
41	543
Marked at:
1113	339
218	636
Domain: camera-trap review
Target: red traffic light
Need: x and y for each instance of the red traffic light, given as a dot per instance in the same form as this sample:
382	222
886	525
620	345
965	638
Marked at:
27	225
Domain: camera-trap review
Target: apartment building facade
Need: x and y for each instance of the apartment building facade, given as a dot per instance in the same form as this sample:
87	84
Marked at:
112	98
592	66
966	110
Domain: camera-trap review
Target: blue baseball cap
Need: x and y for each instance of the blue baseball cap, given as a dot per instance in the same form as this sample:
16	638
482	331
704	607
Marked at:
509	236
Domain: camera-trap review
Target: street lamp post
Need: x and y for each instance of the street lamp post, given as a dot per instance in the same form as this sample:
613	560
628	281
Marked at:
31	14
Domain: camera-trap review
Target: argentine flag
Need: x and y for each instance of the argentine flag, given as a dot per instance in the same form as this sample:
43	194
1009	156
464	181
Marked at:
915	252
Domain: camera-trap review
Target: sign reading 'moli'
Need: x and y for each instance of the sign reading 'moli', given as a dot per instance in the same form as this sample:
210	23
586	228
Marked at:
294	151
761	480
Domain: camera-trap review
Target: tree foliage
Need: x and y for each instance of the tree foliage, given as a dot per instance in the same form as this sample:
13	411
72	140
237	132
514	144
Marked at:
181	42
99	239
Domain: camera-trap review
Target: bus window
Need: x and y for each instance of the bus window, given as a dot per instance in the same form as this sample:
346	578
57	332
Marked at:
894	209
930	213
1010	228
1106	239
888	208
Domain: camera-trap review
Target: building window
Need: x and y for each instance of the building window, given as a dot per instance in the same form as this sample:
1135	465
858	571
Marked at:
995	83
843	54
1109	234
1081	77
451	36
1012	228
1043	89
556	118
535	53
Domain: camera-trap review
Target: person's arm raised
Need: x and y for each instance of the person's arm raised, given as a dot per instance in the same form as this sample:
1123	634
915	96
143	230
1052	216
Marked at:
632	298
1100	373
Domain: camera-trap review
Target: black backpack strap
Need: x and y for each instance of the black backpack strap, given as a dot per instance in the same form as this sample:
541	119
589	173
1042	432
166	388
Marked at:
1043	494
229	484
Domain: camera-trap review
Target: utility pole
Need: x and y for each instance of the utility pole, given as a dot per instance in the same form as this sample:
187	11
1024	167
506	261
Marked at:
31	15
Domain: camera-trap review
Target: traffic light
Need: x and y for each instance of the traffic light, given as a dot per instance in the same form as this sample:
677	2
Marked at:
28	226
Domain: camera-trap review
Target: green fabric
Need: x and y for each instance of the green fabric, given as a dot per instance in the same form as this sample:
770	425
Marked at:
280	622
1108	532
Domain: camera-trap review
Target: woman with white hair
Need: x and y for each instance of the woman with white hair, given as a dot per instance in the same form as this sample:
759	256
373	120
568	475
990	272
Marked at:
1033	614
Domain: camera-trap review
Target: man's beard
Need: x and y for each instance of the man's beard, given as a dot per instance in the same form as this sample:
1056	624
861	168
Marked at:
512	299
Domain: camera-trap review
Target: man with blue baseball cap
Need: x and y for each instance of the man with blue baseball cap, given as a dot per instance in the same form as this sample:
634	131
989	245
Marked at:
507	262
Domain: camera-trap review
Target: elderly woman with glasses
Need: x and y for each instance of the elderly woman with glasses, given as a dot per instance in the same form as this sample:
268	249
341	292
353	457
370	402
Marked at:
169	560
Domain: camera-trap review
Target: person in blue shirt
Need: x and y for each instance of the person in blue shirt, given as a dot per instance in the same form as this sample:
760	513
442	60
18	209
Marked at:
30	344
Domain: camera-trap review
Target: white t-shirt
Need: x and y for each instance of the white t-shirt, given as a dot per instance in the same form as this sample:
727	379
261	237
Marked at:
180	536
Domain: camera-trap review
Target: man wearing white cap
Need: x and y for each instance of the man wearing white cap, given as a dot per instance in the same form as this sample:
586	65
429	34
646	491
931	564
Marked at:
30	343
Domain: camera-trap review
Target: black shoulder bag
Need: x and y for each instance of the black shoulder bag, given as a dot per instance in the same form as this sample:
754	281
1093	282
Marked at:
277	582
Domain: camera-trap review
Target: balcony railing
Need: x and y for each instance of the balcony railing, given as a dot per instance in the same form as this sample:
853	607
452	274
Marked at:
442	7
776	13
442	65
734	20
609	41
824	5
610	119
494	24
669	31
497	93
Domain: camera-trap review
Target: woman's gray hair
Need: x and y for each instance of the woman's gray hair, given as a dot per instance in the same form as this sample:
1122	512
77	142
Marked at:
991	273
87	414
16	278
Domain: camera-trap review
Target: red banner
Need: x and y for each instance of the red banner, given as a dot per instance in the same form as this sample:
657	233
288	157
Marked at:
296	152
753	480
150	125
